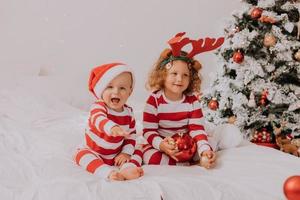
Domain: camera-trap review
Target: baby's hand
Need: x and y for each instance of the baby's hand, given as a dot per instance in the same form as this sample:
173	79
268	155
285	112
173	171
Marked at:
121	159
118	131
168	146
208	159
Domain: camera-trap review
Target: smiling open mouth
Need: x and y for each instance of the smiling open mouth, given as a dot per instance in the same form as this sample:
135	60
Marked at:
115	100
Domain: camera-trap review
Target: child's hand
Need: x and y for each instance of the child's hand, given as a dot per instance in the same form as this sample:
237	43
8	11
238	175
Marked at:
118	131
169	147
208	159
121	159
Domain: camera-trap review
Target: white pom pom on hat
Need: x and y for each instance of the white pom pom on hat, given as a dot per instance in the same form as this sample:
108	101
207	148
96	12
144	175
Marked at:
100	76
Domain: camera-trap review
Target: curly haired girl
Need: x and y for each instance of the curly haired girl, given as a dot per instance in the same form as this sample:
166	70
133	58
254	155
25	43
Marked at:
173	107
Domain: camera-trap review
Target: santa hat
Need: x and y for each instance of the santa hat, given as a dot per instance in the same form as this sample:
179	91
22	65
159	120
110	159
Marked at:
101	76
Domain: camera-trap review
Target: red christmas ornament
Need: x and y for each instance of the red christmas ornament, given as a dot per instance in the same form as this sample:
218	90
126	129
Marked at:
291	188
256	13
213	104
186	146
264	98
238	57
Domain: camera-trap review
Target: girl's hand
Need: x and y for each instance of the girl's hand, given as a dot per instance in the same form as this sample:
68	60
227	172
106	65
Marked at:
121	159
208	159
168	146
118	131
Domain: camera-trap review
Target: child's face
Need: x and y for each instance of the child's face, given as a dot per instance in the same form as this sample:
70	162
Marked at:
117	92
177	79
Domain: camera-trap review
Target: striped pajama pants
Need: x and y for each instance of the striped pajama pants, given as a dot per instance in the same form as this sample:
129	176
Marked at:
152	156
93	163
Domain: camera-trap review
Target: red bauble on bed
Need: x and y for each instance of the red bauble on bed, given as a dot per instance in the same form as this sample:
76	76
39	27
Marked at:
291	188
186	145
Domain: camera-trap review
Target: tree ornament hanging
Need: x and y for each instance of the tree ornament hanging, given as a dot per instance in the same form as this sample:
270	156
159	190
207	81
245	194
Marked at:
267	19
263	99
236	29
269	40
251	102
297	55
213	104
256	13
238	57
291	188
233	31
232	119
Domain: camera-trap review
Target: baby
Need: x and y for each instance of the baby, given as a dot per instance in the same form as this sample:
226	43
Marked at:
110	134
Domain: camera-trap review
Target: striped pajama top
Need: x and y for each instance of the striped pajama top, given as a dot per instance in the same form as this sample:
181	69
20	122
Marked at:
163	118
98	133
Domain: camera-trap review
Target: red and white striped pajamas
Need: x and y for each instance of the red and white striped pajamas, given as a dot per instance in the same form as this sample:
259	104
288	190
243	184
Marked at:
101	148
164	118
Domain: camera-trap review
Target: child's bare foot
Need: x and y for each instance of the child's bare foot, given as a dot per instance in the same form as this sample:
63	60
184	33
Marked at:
204	162
116	176
130	173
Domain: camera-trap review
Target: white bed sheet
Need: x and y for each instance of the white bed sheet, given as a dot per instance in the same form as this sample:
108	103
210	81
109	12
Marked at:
39	134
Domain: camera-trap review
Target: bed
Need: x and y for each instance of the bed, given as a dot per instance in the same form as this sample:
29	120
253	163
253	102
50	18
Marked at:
40	131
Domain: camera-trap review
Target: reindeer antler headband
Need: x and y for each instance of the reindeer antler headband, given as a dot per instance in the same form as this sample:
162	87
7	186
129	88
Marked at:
198	46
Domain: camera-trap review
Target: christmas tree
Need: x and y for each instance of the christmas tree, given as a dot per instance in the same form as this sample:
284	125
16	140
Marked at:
257	86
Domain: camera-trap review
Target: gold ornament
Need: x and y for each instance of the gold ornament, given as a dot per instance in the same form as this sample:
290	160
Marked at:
267	19
232	119
269	40
297	55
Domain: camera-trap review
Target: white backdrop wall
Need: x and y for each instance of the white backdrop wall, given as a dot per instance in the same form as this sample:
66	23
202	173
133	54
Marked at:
64	39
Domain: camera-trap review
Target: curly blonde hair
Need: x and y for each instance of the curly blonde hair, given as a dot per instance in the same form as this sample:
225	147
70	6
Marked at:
158	73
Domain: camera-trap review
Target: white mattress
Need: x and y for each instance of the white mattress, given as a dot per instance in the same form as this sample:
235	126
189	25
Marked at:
39	133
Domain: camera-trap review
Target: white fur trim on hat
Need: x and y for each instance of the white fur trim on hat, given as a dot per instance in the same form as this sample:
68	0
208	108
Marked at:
109	75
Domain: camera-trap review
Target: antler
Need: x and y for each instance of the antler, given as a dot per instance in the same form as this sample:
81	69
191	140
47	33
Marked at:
209	45
177	43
